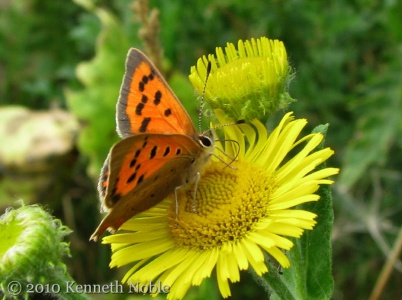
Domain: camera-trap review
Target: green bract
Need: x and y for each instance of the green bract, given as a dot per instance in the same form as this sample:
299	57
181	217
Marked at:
32	250
248	82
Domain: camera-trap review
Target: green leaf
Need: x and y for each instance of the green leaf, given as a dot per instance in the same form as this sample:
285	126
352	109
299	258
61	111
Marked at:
95	105
309	275
378	113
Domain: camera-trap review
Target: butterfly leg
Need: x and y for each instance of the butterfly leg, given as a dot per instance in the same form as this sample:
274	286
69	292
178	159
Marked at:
177	199
197	179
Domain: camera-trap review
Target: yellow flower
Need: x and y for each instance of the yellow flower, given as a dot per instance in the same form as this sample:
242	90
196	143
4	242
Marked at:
240	212
248	82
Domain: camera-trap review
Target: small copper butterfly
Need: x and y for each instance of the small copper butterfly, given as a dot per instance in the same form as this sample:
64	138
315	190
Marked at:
160	149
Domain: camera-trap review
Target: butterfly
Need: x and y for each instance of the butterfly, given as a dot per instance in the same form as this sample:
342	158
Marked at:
160	149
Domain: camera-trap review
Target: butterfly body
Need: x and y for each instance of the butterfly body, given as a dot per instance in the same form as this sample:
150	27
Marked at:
160	149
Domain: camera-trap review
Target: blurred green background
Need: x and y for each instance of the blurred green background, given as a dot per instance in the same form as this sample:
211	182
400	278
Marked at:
61	65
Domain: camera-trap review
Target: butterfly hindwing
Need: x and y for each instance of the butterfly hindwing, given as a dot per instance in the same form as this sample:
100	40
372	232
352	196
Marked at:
146	103
134	159
131	189
143	198
104	178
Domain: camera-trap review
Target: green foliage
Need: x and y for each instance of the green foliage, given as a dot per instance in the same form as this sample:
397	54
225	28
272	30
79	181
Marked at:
95	103
39	53
376	118
310	273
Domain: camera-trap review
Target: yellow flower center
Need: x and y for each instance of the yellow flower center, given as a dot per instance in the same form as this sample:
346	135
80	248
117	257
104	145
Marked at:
229	201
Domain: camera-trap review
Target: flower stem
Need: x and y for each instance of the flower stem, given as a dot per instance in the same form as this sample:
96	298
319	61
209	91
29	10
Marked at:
272	283
386	271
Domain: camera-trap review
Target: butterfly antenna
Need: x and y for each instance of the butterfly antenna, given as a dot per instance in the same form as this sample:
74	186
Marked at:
212	133
209	66
232	159
227	124
212	129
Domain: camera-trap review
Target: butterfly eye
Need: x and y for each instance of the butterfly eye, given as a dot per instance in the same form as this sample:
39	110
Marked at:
205	141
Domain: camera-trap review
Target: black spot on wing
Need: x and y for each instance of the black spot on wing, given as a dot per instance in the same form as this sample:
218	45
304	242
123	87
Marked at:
137	153
115	198
141	86
167	151
178	151
144	124
153	152
145	142
132	177
158	97
103	183
144	99
103	190
104	176
133	162
144	79
168	112
139	108
140	179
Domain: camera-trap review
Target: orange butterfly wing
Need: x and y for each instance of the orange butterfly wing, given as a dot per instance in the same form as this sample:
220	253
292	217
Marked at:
137	164
146	103
160	150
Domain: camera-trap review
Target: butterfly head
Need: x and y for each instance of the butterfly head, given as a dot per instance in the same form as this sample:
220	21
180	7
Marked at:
206	140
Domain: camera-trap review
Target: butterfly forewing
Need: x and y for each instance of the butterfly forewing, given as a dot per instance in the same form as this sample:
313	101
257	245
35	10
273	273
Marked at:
146	103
